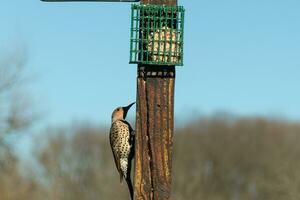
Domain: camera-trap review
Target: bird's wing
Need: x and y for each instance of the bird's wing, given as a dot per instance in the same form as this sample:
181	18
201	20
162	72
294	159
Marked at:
112	139
131	142
131	131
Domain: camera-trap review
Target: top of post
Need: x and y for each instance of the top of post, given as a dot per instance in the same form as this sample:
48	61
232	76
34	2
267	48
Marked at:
161	2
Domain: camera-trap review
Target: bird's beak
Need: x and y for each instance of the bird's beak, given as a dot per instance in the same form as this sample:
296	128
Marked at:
127	108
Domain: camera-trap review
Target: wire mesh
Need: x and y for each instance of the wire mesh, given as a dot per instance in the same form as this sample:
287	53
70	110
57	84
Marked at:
156	35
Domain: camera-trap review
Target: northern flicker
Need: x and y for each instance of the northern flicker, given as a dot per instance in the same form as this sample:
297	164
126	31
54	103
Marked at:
122	144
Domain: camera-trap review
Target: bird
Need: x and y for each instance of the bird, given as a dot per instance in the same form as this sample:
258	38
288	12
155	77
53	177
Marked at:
121	138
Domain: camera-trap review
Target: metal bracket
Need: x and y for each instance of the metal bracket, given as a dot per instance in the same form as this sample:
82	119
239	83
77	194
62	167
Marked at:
154	71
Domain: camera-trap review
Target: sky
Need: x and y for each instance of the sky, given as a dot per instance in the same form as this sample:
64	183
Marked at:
239	56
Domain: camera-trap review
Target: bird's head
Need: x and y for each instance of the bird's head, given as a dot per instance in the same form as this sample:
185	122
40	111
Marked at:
120	112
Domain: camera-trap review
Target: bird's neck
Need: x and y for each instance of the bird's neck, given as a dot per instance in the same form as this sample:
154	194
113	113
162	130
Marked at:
116	119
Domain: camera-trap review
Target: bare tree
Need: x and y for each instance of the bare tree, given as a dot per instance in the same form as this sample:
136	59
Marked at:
15	110
16	115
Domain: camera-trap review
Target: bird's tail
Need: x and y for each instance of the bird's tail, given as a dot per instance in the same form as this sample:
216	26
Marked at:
130	187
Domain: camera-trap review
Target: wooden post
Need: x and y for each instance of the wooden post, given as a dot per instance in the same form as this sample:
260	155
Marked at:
154	128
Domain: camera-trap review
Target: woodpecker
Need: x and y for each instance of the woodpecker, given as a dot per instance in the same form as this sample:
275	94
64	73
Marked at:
122	144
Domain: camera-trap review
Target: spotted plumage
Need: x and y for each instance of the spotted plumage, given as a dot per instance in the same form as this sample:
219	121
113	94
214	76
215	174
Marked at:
122	144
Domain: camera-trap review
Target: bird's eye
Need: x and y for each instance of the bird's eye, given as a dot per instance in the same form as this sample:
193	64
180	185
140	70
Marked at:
118	109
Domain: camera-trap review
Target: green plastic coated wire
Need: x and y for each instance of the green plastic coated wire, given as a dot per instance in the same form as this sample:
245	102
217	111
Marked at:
156	34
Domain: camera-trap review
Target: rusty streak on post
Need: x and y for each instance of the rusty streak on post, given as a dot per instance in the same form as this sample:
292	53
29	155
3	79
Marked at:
154	128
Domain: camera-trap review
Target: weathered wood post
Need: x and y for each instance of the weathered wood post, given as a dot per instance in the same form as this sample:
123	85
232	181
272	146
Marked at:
154	132
155	108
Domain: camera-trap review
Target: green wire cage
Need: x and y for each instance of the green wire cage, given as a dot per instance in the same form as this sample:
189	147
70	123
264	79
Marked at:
156	36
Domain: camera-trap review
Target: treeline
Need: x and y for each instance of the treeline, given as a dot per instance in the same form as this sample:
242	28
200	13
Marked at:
214	159
243	159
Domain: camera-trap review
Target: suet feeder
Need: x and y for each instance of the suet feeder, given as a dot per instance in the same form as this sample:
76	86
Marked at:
156	36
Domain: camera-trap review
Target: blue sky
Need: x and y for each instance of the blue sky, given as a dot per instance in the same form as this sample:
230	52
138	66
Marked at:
240	56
